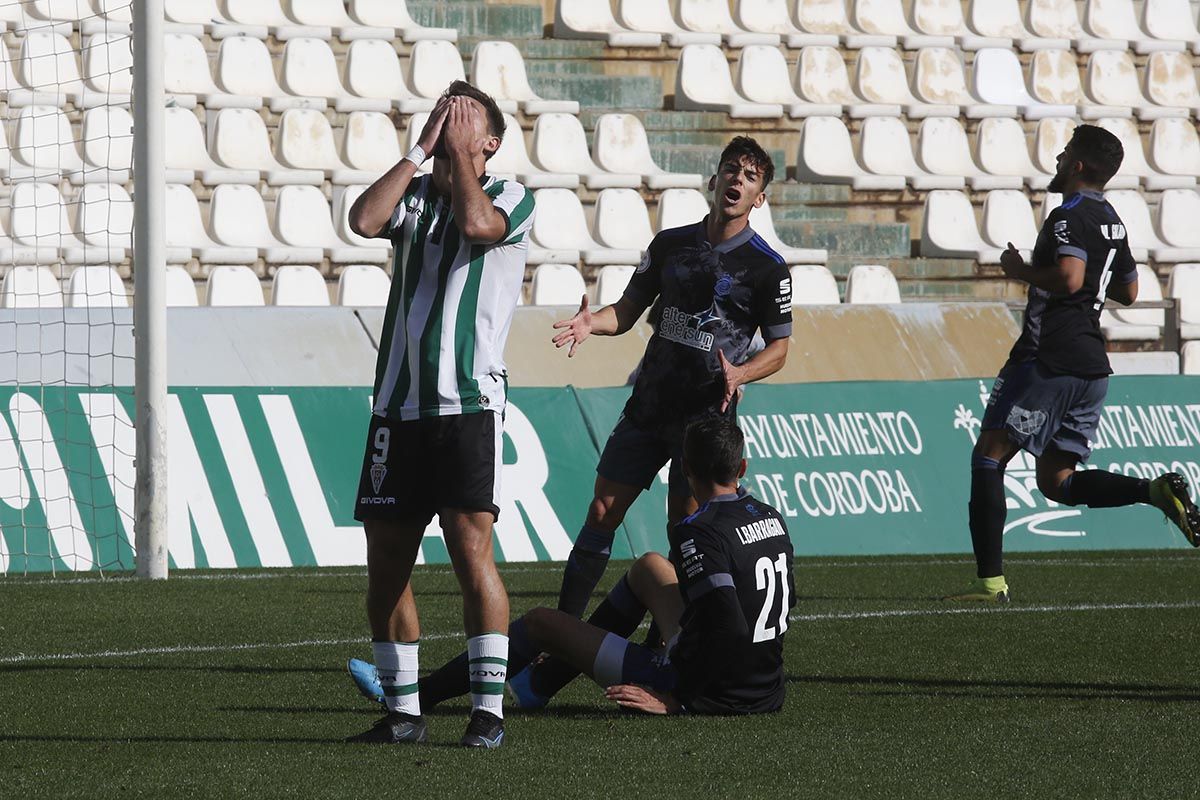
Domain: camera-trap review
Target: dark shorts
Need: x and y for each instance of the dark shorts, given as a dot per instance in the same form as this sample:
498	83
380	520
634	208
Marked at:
413	469
633	456
1040	409
622	661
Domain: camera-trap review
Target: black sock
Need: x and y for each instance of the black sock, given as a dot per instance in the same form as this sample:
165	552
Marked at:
987	513
620	613
585	568
1096	488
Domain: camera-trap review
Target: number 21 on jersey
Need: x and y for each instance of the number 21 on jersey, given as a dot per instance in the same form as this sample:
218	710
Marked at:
768	573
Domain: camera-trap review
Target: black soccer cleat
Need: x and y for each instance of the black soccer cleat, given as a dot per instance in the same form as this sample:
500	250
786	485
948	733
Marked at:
395	728
485	730
1169	493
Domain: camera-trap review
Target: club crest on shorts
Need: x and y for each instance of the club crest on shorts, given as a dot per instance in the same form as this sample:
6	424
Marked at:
1026	422
378	473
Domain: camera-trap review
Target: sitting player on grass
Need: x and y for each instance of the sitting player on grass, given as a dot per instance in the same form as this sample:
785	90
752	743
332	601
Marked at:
721	601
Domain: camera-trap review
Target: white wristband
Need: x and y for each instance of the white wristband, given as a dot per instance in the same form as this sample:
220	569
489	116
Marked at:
417	155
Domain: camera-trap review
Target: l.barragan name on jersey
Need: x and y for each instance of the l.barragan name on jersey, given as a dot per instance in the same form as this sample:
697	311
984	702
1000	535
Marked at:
761	529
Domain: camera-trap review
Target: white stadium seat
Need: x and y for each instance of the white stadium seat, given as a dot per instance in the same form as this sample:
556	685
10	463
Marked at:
828	17
1112	80
308	69
938	18
611	283
813	285
1175	147
106	218
44	146
1134	167
187	237
587	19
622	220
939	79
363	286
1171	81
108	65
560	145
240	141
656	16
560	226
871	284
556	285
1059	19
512	159
1129	324
434	65
1189	356
30	287
498	69
1171	19
299	285
1008	217
181	289
1178	215
997	77
394	14
887	18
49	68
620	145
239	219
712	16
187	77
303	220
943	149
880	78
332	14
764	226
1183	286
95	287
1135	214
827	156
680	207
186	153
256	13
762	76
1116	20
1144	363
191	17
107	139
343	199
39	220
370	142
821	78
1001	19
1049	139
1054	78
244	67
702	83
774	16
886	150
1003	150
306	142
233	286
948	229
373	71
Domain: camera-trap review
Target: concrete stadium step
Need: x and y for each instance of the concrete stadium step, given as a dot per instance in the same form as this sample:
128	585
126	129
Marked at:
474	18
878	240
991	289
597	91
913	269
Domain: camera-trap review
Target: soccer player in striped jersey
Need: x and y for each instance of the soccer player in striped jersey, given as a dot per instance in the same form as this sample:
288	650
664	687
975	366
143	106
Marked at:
434	442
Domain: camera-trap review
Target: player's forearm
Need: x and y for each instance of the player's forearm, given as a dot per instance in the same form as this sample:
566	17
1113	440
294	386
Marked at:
617	318
371	212
478	220
766	362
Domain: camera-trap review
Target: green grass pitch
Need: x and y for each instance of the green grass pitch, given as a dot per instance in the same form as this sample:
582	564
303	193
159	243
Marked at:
215	685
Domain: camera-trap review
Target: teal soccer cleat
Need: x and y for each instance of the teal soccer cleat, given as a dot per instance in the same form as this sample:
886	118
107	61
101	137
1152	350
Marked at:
366	679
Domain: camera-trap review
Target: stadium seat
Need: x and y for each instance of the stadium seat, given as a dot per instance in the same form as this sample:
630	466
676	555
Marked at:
512	159
240	141
1054	79
181	289
1171	20
187	237
656	16
1059	19
71	12
498	69
774	16
999	20
1178	218
332	14
434	65
1189	356
250	17
941	19
1003	150
827	156
343	199
611	282
1135	214
394	14
308	69
764	226
620	145
12	252
1049	139
191	17
239	219
938	79
187	78
363	286
306	142
821	78
108	65
712	16
1183	285
997	78
871	284
49	68
370	142
587	19
298	286
560	145
373	71
886	150
233	286
680	207
186	153
828	18
1116	20
1112	80
887	18
1144	363
1008	217
943	149
30	287
39	220
702	83
762	77
1175	147
813	285
107	139
948	229
1134	167
561	228
1129	324
1171	81
95	287
303	220
105	219
244	67
622	220
556	285
44	146
880	78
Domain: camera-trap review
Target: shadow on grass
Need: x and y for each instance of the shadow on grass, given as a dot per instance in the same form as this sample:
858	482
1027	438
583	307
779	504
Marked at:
222	668
941	687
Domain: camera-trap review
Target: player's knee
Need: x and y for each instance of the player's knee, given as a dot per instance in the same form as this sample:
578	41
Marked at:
538	622
1051	487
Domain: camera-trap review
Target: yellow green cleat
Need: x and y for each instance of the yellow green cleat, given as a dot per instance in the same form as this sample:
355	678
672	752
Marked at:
982	590
1169	494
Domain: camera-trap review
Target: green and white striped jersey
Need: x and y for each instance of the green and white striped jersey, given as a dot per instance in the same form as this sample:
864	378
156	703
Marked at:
451	305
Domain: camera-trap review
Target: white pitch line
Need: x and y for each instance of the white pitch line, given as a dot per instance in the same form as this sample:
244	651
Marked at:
25	658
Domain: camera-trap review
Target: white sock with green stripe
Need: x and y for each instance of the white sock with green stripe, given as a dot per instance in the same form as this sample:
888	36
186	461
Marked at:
396	663
487	667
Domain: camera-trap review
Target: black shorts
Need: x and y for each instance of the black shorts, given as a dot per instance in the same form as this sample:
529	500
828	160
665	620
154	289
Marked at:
413	469
1040	409
633	456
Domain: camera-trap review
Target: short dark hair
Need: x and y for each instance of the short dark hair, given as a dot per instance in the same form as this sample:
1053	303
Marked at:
712	450
744	147
1099	150
495	116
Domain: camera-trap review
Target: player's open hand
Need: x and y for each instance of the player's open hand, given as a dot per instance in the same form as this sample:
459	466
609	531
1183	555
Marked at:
434	126
1012	263
733	381
641	698
574	331
463	131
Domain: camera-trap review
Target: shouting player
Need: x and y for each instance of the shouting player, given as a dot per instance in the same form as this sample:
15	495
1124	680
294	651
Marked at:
433	446
1048	397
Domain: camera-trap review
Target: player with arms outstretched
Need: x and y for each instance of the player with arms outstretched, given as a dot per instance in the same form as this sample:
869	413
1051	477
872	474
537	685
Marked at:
1048	397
